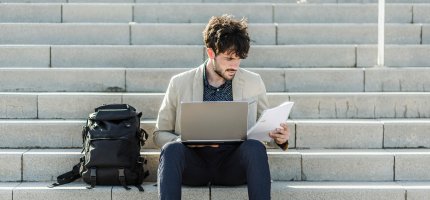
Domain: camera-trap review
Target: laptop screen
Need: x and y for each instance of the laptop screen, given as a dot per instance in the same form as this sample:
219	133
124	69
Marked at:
214	121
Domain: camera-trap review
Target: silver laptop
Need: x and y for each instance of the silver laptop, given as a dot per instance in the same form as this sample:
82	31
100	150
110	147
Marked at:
214	122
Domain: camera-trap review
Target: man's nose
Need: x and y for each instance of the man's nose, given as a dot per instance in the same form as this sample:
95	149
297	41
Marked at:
235	64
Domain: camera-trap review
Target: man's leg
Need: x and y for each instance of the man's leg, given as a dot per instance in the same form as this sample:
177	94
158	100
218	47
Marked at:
247	164
179	164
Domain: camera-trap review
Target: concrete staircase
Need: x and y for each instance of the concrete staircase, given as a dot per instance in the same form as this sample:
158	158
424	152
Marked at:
358	131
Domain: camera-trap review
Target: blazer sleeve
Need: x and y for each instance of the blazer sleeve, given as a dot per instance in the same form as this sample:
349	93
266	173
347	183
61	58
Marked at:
165	125
263	103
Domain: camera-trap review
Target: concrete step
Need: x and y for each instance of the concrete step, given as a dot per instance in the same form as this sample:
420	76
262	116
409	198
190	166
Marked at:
35	56
118	34
304	134
157	79
307	105
395	56
335	191
365	79
177	56
190	34
78	190
390	133
199	12
213	1
350	12
359	1
11	166
290	13
293	34
400	79
156	13
70	79
336	56
108	56
285	34
34	1
65	34
356	105
280	190
36	167
34	13
127	56
6	189
99	13
421	13
341	13
295	165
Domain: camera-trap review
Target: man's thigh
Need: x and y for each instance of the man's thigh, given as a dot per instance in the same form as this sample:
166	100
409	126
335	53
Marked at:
231	171
248	156
196	171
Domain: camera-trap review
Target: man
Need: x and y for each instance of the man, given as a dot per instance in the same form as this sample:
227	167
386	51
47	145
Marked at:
218	79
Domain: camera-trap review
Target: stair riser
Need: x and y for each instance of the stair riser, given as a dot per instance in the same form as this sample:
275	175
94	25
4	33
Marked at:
307	106
258	13
295	165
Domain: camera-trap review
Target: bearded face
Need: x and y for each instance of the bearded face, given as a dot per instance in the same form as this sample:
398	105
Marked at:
226	65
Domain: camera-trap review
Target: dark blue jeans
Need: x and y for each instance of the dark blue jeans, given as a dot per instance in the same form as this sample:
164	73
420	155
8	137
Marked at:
228	165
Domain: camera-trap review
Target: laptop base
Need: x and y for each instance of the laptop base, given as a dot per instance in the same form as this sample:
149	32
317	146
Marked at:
190	142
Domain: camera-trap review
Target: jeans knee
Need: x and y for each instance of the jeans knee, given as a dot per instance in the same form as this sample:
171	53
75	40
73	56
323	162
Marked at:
172	146
172	149
251	145
253	148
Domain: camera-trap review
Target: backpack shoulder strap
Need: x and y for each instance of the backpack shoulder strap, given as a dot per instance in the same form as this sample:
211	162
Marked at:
68	177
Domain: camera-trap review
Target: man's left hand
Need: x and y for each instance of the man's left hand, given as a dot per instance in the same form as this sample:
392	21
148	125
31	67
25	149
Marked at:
281	134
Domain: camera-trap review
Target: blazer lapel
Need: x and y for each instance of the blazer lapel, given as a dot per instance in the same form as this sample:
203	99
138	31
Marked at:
237	86
198	84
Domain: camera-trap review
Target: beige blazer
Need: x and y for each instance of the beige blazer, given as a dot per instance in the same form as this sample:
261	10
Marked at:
188	86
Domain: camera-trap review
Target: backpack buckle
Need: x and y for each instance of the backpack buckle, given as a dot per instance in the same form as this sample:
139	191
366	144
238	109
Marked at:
122	180
93	172
93	177
121	172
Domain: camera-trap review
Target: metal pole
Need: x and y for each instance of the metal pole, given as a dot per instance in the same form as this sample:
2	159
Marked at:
381	33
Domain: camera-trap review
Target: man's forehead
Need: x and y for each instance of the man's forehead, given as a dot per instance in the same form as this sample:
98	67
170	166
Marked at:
229	54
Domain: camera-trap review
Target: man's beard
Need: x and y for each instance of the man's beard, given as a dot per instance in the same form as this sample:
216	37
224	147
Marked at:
219	72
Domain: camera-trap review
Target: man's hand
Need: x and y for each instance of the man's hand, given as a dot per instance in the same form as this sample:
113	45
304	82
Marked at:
281	134
202	145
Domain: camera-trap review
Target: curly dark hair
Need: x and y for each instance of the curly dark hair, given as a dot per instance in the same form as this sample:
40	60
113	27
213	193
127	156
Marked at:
224	34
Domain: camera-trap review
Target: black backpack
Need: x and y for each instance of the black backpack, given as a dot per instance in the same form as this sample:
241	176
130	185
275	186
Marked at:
112	139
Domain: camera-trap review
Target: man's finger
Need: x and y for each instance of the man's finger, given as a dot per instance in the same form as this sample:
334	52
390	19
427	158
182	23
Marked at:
285	126
276	135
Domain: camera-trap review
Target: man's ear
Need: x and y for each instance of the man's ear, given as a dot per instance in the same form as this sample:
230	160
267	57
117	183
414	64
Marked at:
211	53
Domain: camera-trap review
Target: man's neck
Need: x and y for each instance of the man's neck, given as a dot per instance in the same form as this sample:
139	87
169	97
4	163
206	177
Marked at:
213	78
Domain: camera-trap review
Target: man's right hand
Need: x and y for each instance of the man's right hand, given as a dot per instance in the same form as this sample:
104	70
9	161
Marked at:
203	145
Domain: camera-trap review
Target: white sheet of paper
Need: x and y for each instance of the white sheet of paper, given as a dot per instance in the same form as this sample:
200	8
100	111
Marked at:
269	120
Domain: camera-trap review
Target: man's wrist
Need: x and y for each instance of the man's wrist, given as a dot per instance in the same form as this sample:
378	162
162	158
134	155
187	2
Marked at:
283	146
